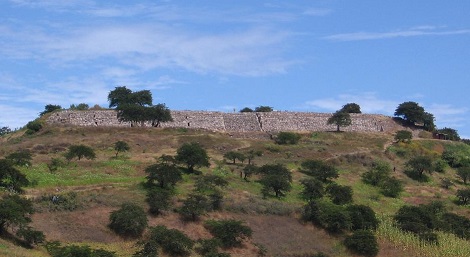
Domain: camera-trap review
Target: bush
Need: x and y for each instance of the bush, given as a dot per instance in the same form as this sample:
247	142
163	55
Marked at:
56	250
20	158
158	199
287	138
332	217
319	170
362	242
403	136
378	173
229	232
391	187
340	194
172	241
463	196
31	236
313	189
130	220
362	217
55	164
33	127
79	152
194	206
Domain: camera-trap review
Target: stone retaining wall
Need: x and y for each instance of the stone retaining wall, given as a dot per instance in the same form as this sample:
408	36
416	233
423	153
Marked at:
233	122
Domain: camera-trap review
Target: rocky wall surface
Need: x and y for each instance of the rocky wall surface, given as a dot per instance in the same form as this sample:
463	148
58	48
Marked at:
233	122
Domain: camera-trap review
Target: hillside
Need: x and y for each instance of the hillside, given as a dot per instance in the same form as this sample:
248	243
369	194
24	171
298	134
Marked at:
95	188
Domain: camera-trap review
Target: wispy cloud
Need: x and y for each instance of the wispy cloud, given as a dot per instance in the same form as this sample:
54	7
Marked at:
317	12
412	32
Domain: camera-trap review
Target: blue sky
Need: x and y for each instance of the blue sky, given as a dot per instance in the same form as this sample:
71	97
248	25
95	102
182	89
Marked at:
225	55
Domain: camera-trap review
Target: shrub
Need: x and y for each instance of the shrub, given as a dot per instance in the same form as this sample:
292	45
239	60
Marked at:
158	199
207	246
378	173
403	136
313	189
56	250
391	187
79	152
130	220
31	236
33	127
332	217
287	138
275	178
340	194
194	206
362	217
455	224
121	146
20	158
172	241
229	232
319	170
463	196
362	242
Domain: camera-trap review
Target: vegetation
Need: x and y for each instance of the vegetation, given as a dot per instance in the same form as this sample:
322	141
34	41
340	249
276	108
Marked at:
263	108
50	108
56	250
79	152
275	178
340	119
33	127
287	138
79	107
231	233
403	136
11	178
319	170
121	146
193	155
172	241
362	242
351	108
128	221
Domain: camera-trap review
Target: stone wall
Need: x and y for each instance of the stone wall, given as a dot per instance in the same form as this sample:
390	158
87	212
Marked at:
234	122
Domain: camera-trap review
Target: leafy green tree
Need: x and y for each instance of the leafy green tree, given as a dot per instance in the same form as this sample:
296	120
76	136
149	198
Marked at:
420	164
79	107
231	232
164	174
157	114
31	236
403	136
4	131
251	154
11	178
362	242
208	246
79	152
246	109
50	108
334	218
130	220
262	108
275	178
56	250
20	158
391	187
172	241
378	173
340	194
455	224
33	127
463	196
464	173
452	134
194	206
287	138
411	112
209	183
249	170
312	189
123	96
121	146
351	108
233	156
340	119
428	121
362	217
319	170
414	219
193	155
159	200
55	164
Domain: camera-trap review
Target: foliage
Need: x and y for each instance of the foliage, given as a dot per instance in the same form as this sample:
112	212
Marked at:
249	170
464	173
233	156
351	108
263	108
129	220
4	131
231	232
362	242
340	194
157	114
121	146
452	134
79	107
340	119
193	155
334	218
123	96
418	220
31	236
246	109
55	164
164	174
172	241
391	187
440	165
56	250
209	183
20	158
50	108
11	178
33	127
410	111
403	136
208	246
463	196
194	206
251	154
377	174
15	212
312	189
420	164
319	170
455	224
158	199
287	138
362	217
79	152
275	177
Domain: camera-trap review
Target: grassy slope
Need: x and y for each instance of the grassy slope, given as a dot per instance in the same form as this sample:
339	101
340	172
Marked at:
103	184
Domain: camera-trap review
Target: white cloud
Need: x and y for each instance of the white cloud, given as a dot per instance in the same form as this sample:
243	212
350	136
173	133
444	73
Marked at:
16	117
412	32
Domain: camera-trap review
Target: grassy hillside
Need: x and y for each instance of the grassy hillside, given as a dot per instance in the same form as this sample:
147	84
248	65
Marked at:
94	188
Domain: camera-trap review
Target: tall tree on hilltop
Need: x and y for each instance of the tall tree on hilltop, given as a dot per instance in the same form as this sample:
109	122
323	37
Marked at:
351	108
340	119
411	112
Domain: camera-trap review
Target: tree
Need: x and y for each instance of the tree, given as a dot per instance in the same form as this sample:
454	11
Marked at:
262	108
362	217
194	206
249	170
464	173
50	108
351	108
124	96
391	187
165	174
428	121
33	127
250	155
334	218
319	170
452	134
276	178
233	156
410	112
340	194
403	136
209	183
463	196
193	155
56	250
79	107
287	138
20	158
121	146
246	109
79	152
129	221
159	200
362	242
172	241
414	219
379	172
4	131
420	164
313	189
231	232
11	178
15	211
340	119
157	114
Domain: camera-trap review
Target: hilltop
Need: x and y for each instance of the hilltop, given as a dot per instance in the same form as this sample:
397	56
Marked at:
95	188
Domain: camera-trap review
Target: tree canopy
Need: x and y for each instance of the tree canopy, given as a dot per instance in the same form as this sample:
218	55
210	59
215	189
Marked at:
50	108
413	113
11	178
340	119
79	152
193	155
263	108
351	108
275	177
